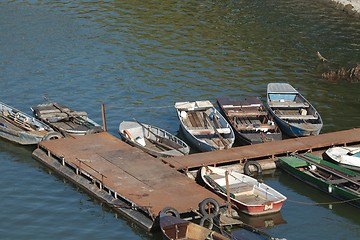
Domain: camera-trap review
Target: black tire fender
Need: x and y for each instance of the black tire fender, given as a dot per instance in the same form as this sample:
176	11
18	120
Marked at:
209	206
207	221
255	164
52	136
171	211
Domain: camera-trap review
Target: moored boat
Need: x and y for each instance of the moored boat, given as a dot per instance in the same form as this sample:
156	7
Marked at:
250	120
18	127
328	177
65	120
291	111
203	126
176	228
348	157
247	194
153	140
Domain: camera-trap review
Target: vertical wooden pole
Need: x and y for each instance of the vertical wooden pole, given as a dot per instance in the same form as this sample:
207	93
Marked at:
103	116
228	191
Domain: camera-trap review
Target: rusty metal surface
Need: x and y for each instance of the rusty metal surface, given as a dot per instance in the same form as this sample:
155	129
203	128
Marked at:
265	150
131	173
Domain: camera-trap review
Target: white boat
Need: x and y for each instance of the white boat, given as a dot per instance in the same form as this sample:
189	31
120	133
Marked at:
247	194
291	111
349	157
153	140
18	127
65	120
203	126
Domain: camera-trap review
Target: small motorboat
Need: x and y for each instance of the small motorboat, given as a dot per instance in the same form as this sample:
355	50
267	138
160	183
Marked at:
348	157
204	126
250	120
326	176
176	228
23	129
153	140
247	194
65	120
291	111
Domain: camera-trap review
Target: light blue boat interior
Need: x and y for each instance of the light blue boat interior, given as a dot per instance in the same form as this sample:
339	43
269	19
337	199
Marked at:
278	97
357	154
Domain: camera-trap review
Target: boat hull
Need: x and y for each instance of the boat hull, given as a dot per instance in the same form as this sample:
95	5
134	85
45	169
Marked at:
64	120
348	157
246	193
203	126
250	120
20	128
176	228
152	140
19	137
291	111
334	190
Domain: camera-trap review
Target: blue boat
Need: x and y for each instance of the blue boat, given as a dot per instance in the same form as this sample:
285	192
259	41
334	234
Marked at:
295	116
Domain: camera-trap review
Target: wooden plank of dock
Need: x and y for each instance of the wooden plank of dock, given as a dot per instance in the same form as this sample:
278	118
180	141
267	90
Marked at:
267	150
124	171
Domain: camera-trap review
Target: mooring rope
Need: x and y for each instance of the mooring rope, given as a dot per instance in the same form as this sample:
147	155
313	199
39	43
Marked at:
324	203
146	107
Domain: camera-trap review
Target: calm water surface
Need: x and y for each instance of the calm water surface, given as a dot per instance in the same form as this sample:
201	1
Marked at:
139	57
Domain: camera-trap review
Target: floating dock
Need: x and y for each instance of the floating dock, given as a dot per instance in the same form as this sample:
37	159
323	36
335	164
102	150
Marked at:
134	183
139	186
267	152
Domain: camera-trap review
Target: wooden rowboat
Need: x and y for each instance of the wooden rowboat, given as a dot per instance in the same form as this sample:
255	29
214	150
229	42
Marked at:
348	157
23	129
177	228
153	140
65	120
247	194
328	177
203	126
291	111
250	120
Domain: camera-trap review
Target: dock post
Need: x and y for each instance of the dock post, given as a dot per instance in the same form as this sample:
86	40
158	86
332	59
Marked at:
103	116
228	191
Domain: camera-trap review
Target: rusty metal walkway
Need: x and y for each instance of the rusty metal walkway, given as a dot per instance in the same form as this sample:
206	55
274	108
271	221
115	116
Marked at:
264	151
102	162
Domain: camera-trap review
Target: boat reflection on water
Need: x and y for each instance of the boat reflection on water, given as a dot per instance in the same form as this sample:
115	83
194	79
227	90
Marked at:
265	221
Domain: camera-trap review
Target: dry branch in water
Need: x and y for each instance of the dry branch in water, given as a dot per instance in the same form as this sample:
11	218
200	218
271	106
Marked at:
321	57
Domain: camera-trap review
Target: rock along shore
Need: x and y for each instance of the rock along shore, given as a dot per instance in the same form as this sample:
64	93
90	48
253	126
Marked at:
351	7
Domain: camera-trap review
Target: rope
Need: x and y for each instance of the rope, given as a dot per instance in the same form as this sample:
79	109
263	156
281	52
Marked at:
324	203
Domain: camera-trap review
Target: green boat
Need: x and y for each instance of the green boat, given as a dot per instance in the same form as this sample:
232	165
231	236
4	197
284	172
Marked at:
333	179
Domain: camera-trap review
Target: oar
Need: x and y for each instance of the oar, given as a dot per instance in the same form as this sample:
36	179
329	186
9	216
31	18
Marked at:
159	137
215	129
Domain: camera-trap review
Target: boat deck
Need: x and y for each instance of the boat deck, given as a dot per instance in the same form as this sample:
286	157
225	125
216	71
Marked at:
102	162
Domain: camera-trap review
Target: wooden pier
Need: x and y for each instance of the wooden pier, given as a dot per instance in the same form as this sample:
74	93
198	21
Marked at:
139	186
268	151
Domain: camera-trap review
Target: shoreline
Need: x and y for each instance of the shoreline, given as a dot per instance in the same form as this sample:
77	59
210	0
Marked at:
351	7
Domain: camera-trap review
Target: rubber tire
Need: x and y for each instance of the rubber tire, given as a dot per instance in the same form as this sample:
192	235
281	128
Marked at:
52	136
203	207
207	219
171	211
252	163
